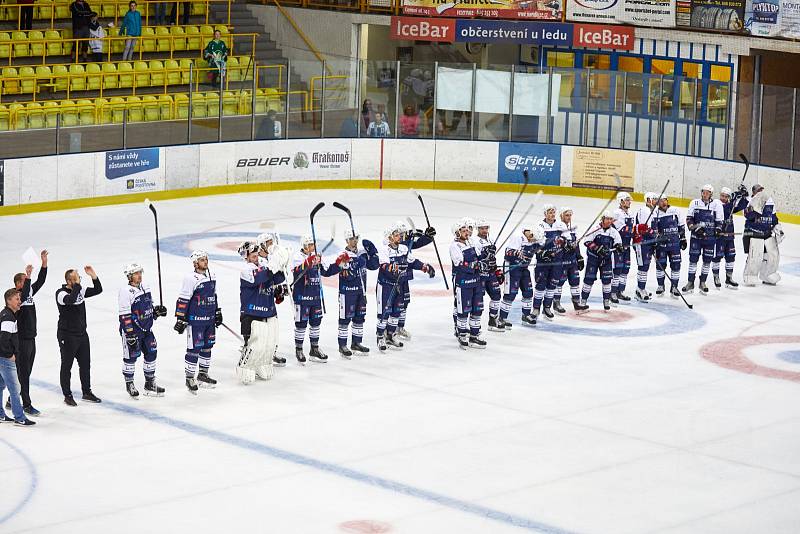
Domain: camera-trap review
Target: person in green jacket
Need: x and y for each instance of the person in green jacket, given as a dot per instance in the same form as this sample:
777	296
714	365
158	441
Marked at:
132	27
216	53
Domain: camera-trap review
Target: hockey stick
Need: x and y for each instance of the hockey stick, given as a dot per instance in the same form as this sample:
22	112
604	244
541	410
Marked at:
229	329
428	222
610	200
158	251
327	245
746	168
513	206
399	275
524	215
653	209
314	237
353	229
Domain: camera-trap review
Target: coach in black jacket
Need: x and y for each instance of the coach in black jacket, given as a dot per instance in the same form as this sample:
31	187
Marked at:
72	337
26	328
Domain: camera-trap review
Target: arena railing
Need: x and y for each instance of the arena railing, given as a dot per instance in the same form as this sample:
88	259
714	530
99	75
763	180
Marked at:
582	107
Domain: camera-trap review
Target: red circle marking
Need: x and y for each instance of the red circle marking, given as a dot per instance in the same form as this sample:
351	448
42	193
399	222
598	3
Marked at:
229	245
597	316
365	526
729	353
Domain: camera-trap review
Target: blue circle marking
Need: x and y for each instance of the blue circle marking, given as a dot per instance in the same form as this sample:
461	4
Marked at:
179	245
33	481
791	356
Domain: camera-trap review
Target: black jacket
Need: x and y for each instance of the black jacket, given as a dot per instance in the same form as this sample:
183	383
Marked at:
72	308
9	341
26	316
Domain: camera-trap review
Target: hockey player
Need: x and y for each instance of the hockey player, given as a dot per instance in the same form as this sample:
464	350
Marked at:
623	222
467	269
492	279
573	264
762	234
353	294
704	220
418	240
198	314
136	316
644	243
603	240
266	241
517	260
258	315
725	245
395	260
549	259
670	229
307	269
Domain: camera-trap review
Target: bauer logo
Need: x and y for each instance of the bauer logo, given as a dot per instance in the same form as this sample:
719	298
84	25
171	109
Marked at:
543	163
121	163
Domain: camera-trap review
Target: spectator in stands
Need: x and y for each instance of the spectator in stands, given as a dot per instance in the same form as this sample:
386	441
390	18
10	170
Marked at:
97	33
409	122
270	127
81	14
378	128
216	53
366	112
131	26
161	13
25	14
349	127
173	16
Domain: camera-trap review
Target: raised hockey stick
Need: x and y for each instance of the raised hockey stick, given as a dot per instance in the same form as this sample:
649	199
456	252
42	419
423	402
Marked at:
746	168
435	248
653	209
314	237
353	229
326	247
158	251
513	206
524	216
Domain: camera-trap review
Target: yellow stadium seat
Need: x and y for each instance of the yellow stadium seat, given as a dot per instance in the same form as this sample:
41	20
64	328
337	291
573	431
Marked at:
21	47
5	44
69	113
181	106
66	44
50	114
135	110
54	47
245	103
198	105
142	74
27	80
125	71
94	83
77	80
19	116
150	107
118	45
61	77
102	111
163	43
11	85
110	78
44	9
198	8
43	75
222	29
37	48
212	104
230	103
62	11
165	107
233	69
108	10
148	42
156	73
117	106
193	39
178	38
207	32
86	112
172	72
5	118
186	64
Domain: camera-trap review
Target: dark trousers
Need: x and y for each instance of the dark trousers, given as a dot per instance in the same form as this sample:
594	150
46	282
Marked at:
74	347
25	357
173	15
26	17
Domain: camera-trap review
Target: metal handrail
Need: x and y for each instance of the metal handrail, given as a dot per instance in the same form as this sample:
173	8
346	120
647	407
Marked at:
302	35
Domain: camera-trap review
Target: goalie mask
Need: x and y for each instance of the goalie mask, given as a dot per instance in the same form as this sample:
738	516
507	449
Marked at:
247	248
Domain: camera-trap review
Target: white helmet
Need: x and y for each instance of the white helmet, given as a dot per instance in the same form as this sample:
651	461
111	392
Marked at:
469	222
481	222
608	215
562	210
651	196
401	227
198	255
459	225
547	207
306	240
349	234
247	248
726	191
389	230
131	269
708	187
266	237
623	195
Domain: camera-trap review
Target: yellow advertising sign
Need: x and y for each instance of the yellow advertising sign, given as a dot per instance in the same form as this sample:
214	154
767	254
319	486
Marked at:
595	168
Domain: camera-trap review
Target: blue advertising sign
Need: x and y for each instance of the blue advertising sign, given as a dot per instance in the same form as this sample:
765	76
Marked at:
121	163
543	163
503	31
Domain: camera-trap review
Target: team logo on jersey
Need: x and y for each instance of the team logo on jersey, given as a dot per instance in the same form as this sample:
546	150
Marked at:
300	160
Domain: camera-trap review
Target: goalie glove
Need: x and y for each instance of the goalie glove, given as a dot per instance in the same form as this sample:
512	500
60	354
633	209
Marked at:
218	317
430	232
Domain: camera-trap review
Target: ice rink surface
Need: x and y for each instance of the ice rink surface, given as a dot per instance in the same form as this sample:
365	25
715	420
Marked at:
650	418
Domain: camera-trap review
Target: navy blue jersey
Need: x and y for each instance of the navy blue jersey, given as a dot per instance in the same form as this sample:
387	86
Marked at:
135	310
669	225
706	215
307	288
395	263
257	289
197	300
602	237
464	256
353	274
735	205
760	217
623	222
519	243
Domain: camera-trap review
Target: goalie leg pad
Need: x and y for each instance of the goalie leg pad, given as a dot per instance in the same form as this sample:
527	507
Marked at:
769	267
256	360
755	257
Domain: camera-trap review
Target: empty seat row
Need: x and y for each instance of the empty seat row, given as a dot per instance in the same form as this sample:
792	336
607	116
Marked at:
44	10
148	108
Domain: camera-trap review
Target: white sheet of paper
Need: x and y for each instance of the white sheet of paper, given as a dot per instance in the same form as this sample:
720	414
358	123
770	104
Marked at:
30	257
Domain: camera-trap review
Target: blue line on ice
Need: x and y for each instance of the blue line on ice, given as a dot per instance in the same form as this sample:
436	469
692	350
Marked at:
34	481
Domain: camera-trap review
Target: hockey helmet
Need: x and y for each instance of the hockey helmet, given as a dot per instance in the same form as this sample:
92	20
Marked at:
548	207
562	210
481	222
350	234
266	237
131	269
726	191
247	248
401	227
306	239
651	196
623	195
459	225
198	255
707	187
757	188
607	215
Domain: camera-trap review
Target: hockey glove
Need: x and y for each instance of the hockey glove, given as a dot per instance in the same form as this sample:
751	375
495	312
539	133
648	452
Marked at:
569	246
499	276
428	268
159	311
430	232
279	292
699	232
131	340
370	247
743	191
581	263
218	317
343	258
683	243
601	251
180	326
490	250
618	248
522	256
718	232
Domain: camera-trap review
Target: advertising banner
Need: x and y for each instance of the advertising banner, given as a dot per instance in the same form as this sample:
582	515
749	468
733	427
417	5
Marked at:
657	13
602	36
727	15
595	168
543	163
419	29
774	18
594	11
133	171
315	159
499	9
